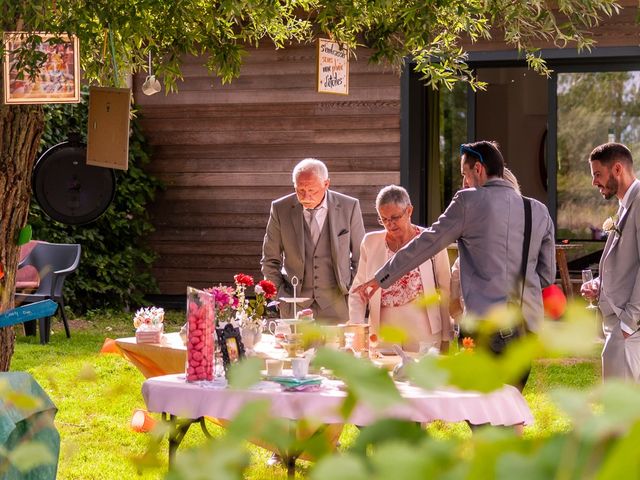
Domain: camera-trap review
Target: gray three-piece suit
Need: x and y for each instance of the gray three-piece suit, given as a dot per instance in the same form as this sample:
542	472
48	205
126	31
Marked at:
325	270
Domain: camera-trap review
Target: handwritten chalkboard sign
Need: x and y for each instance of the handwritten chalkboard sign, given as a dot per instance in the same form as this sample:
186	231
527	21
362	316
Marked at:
333	67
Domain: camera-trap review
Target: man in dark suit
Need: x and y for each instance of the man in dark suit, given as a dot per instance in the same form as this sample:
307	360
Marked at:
315	235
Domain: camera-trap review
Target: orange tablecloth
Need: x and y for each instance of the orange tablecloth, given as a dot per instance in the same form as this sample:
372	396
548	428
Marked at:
155	359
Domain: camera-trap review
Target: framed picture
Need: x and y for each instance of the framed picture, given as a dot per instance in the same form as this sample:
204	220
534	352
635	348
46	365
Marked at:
231	346
57	80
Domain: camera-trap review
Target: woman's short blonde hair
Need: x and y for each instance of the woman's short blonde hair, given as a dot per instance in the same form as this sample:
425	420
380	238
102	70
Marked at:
393	194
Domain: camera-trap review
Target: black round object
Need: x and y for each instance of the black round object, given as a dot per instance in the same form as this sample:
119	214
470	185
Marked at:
67	189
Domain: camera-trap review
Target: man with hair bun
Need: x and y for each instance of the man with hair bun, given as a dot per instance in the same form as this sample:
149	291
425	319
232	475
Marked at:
487	220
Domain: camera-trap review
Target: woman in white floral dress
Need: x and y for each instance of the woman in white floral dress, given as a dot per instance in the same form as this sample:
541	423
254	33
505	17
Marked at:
403	304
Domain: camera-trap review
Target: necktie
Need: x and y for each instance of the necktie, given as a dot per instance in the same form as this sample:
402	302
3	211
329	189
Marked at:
314	228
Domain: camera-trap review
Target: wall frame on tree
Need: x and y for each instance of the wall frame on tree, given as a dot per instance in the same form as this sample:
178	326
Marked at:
108	129
56	81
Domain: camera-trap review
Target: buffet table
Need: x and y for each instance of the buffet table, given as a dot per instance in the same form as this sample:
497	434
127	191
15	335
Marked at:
156	359
172	396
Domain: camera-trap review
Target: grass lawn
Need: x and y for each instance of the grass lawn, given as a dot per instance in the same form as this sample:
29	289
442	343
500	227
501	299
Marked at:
96	395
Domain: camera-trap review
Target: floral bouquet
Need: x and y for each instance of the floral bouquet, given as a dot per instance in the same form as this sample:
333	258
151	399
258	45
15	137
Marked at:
225	303
251	312
149	324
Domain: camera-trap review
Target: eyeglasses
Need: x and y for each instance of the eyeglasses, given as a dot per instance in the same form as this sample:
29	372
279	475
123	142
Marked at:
464	149
392	219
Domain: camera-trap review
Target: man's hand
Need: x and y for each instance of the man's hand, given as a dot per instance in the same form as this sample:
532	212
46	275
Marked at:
589	290
367	289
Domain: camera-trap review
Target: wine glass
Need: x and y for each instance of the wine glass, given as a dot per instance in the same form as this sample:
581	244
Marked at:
587	277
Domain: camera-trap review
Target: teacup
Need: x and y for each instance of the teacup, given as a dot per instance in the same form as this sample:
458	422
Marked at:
300	367
151	85
274	367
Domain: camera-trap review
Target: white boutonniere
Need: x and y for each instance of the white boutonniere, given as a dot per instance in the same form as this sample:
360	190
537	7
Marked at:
611	225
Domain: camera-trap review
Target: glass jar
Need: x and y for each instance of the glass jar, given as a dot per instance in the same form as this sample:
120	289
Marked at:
200	336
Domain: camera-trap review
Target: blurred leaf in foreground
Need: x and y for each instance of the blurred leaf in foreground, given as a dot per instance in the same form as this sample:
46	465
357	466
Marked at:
219	459
622	460
245	373
346	467
27	456
369	384
574	335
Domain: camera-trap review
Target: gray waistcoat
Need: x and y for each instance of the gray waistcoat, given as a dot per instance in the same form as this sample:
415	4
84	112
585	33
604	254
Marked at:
319	282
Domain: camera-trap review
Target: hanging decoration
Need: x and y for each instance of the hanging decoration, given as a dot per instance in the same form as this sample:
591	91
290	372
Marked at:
151	84
333	67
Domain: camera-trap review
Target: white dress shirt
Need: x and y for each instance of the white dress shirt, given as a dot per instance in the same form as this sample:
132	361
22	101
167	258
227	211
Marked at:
321	214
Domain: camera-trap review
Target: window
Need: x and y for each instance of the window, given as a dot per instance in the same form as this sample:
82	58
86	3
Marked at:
453	132
593	108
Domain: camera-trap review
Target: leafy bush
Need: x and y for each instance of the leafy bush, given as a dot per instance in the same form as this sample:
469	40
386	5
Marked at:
115	264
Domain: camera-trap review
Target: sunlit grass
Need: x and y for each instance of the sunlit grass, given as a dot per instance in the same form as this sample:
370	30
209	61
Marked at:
97	394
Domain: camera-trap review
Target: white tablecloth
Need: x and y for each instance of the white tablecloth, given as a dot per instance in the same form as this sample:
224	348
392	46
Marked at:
172	394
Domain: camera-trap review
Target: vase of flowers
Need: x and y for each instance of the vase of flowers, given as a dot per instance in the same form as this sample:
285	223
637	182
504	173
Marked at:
250	312
149	324
225	303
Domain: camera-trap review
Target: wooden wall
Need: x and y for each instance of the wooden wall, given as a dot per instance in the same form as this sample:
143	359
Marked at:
225	152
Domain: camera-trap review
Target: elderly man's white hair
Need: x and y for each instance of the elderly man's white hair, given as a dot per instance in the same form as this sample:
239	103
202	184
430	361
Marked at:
312	165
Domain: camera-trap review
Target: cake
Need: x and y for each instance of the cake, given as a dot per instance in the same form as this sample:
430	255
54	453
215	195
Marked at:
305	315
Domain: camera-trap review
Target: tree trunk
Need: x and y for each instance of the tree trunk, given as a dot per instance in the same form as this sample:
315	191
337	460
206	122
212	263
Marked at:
20	131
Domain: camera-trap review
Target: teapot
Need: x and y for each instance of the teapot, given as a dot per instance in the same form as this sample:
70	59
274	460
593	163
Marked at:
279	330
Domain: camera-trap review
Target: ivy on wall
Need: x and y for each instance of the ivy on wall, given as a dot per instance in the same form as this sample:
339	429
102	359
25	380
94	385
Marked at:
115	267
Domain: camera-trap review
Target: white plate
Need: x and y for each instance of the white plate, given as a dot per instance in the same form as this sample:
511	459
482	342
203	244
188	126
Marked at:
295	321
290	376
294	300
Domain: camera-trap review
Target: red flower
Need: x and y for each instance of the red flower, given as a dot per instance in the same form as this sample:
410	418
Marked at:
243	279
268	287
468	343
554	301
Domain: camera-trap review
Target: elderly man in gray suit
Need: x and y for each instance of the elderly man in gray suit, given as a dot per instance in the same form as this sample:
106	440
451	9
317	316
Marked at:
315	235
618	286
487	220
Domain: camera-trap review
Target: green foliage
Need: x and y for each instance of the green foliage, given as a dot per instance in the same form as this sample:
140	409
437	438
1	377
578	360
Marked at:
365	382
115	265
605	419
97	443
432	33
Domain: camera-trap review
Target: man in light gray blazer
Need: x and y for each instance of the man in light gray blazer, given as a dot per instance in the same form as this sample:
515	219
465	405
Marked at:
487	221
315	235
618	286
